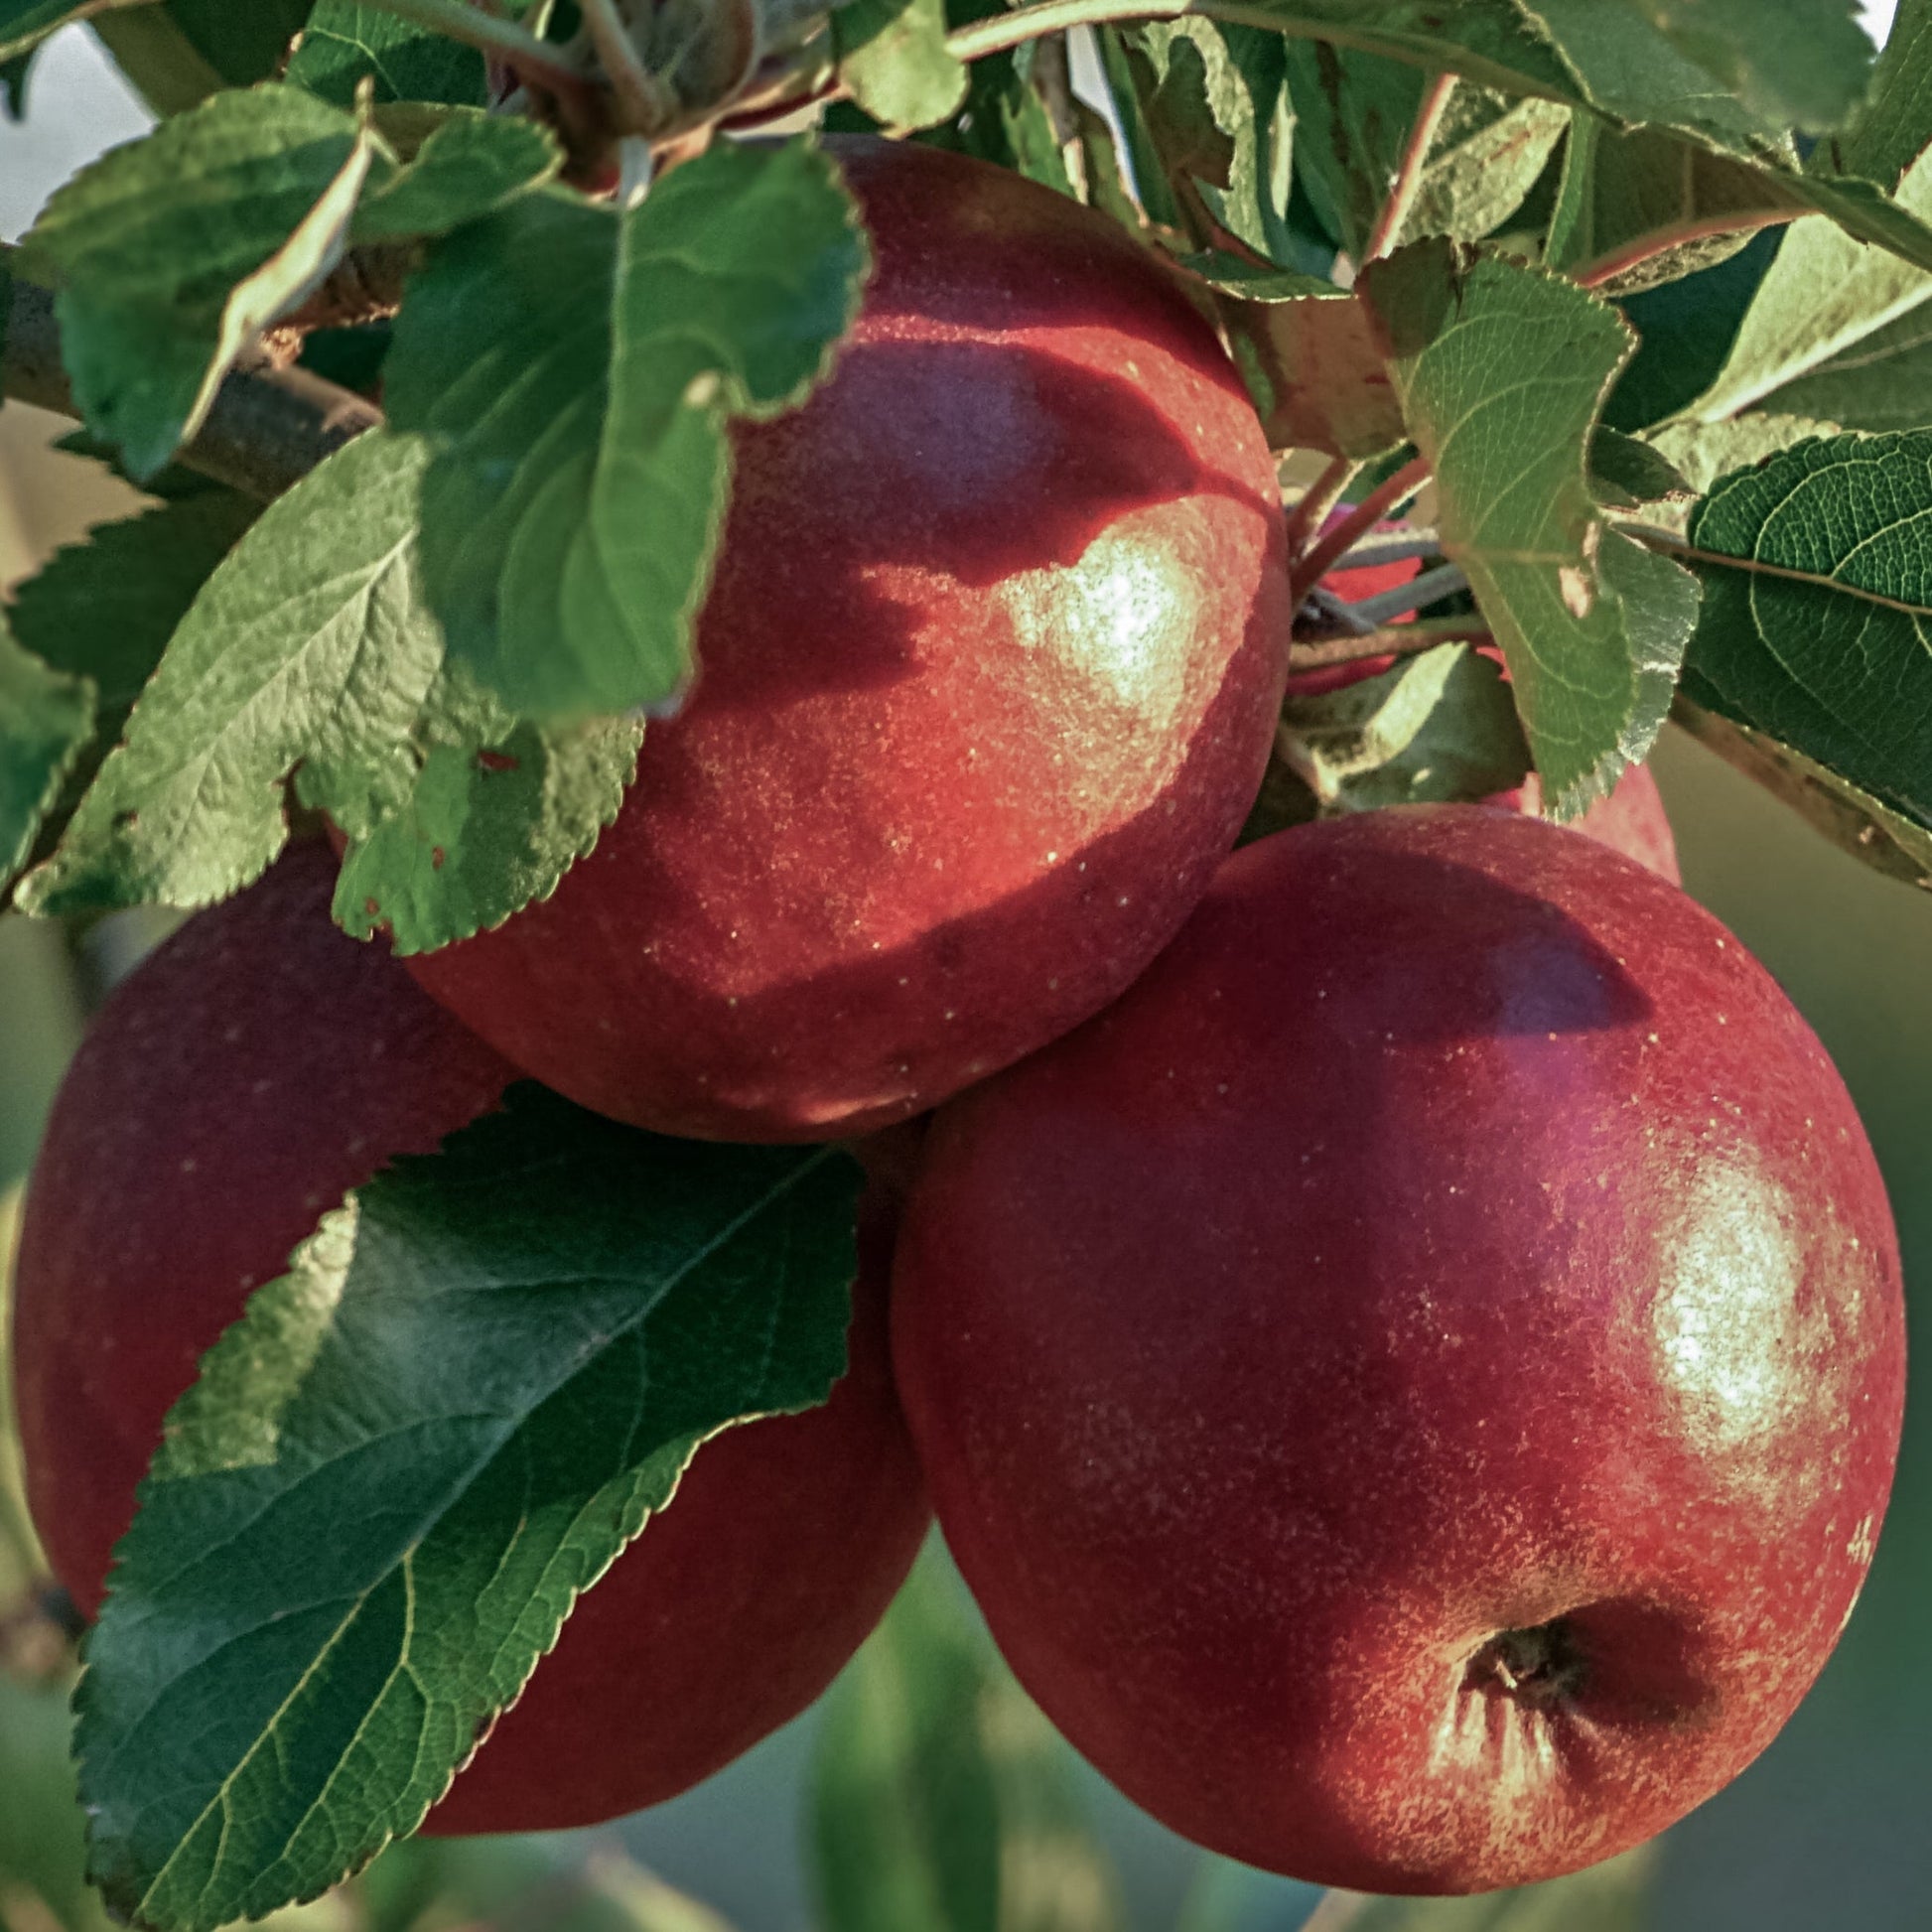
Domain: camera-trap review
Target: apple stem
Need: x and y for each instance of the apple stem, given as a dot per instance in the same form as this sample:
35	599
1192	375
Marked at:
1541	1665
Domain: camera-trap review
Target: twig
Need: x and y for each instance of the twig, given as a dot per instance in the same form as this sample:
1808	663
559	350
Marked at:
1329	549
1320	497
1407	180
1339	612
266	431
1412	543
645	104
1417	594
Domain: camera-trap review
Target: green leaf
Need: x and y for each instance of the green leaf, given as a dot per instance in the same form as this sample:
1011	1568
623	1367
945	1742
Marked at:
940	1800
574	368
344	43
472	165
1502	372
1216	118
100	612
1825	641
371	1514
1626	473
1882	381
1893	128
1821	303
1313	365
1436	728
1006	119
1488	152
171	252
484	832
1852	820
1353	116
892	56
45	719
13	84
310	641
160	62
243	44
1641	209
1608	1897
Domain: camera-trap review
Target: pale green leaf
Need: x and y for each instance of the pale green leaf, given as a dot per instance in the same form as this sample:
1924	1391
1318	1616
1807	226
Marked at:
310	641
1705	452
893	56
574	368
1821	635
345	44
1823	301
173	252
1437	726
1488	152
372	1512
1501	373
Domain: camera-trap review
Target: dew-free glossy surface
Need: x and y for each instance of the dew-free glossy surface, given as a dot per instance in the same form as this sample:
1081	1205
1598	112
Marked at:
250	1073
1455	1233
989	675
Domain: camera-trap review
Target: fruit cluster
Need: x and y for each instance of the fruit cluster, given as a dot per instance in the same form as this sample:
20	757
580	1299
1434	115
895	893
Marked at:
1401	1326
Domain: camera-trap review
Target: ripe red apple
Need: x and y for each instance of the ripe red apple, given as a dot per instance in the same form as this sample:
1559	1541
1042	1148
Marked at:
1415	1384
990	671
235	1086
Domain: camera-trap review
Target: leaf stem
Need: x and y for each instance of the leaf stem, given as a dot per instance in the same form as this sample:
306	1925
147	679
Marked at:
1408	179
1356	524
1673	545
516	46
1660	241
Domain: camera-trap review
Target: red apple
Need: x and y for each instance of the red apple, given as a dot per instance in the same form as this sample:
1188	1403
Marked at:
1415	1384
990	671
236	1085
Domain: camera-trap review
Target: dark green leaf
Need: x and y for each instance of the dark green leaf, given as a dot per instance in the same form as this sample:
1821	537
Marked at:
1825	641
371	1515
1626	473
1214	108
1610	1897
162	64
1852	820
24	24
171	252
892	56
1687	329
1893	128
472	165
102	611
1006	119
13	84
45	719
1502	372
573	368
1436	728
940	1798
311	641
243	44
1124	80
1353	114
345	44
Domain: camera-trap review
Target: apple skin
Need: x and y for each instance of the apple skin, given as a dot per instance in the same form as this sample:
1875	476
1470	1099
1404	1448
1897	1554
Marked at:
1454	1245
242	1079
990	671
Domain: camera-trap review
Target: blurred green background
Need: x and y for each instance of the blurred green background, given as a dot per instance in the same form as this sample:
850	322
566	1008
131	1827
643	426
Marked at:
1828	1830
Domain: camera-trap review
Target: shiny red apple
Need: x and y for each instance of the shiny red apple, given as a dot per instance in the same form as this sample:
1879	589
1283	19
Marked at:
1415	1384
246	1076
990	670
